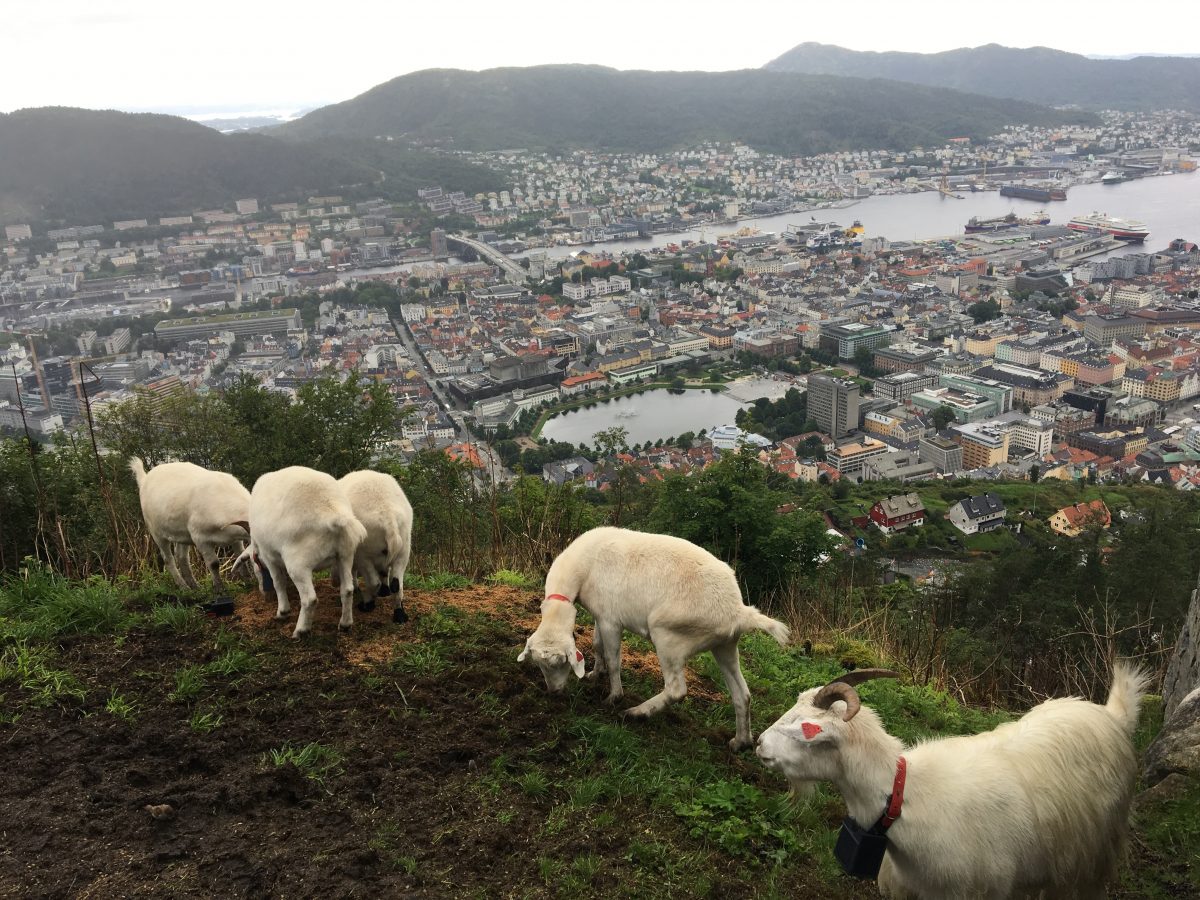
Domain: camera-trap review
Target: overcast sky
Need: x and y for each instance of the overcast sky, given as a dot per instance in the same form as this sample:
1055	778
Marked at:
222	56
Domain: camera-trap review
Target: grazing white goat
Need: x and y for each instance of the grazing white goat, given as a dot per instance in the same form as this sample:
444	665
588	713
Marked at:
300	520
665	588
185	505
1036	807
379	503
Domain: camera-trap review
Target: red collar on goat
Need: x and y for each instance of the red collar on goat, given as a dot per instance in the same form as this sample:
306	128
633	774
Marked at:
559	597
892	813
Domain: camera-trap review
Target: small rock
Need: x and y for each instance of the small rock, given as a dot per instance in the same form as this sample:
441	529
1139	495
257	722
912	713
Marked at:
1170	788
1177	747
161	811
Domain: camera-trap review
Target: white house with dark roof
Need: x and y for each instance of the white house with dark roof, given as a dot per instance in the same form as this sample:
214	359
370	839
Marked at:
972	515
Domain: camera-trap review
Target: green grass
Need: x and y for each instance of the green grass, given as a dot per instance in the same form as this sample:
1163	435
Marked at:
426	659
206	721
1167	833
435	581
189	682
232	663
510	578
32	669
120	707
315	760
43	605
534	783
176	617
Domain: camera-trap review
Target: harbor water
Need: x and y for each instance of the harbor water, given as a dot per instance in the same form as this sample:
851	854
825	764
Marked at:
1169	205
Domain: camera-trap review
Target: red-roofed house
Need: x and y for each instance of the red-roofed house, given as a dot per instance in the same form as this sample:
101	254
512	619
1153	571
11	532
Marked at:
1071	520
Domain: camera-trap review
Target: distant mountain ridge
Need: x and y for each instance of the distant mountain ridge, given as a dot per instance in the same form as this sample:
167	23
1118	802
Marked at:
578	106
1036	74
82	166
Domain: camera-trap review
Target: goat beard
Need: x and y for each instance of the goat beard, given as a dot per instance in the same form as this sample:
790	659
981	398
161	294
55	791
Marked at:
801	791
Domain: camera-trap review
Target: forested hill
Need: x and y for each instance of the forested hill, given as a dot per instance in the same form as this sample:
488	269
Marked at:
597	107
79	165
1034	74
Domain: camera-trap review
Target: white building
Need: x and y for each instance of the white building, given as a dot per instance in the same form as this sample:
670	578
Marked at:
730	437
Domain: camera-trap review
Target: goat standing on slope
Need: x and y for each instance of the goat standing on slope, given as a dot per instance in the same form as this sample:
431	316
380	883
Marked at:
185	505
300	521
1036	807
665	588
379	503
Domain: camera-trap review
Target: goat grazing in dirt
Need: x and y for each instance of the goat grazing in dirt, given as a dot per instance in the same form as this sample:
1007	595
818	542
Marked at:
379	503
1038	807
185	505
665	588
300	521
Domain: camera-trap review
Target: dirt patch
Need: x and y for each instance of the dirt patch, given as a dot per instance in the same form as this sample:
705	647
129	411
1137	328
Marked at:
169	804
374	637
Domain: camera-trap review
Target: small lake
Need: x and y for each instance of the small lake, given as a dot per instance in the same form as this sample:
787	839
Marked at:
656	414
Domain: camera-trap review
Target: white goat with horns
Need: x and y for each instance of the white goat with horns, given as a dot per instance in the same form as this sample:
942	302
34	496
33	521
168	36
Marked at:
1038	807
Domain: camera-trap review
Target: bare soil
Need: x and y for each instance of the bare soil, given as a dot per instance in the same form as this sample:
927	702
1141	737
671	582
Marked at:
92	806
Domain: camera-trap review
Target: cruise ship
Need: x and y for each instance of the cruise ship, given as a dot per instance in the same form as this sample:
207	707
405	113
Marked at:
1122	229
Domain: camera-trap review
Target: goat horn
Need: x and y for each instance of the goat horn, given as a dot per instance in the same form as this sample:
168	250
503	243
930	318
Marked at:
843	689
858	676
838	690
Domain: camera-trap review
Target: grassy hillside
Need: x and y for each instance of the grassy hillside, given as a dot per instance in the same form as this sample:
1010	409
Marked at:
597	107
84	166
1035	74
149	750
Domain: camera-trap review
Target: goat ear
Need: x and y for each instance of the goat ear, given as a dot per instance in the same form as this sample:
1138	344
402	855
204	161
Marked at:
575	658
525	652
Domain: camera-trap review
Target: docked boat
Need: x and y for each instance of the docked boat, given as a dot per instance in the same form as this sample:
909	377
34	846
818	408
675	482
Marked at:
1027	192
1003	223
1113	177
1122	229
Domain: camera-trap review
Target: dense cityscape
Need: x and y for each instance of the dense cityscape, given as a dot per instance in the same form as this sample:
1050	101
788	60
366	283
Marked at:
1022	345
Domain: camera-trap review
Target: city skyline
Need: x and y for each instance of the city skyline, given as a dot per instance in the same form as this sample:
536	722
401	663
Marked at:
243	60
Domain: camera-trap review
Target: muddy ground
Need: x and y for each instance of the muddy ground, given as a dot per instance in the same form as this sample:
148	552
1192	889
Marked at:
96	805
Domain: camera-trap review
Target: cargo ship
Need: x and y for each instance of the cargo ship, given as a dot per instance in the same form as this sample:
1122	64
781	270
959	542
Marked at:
1003	223
1122	229
1025	192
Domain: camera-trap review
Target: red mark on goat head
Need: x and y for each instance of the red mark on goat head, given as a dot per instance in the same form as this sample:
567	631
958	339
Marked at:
810	730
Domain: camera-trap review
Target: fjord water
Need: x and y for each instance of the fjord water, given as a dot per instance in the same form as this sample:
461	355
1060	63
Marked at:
1169	205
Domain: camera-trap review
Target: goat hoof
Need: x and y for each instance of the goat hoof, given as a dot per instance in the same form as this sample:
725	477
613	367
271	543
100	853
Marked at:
365	605
394	586
399	616
299	635
344	628
737	746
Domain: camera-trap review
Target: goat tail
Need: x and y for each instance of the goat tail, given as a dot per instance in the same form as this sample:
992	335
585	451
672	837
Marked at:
753	620
138	468
1129	684
351	533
